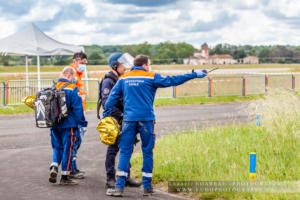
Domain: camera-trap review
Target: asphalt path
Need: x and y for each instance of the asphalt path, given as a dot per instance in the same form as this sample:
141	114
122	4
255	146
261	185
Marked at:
25	152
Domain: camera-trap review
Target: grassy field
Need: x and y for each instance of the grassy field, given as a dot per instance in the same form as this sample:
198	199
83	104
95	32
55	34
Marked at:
22	109
49	68
222	153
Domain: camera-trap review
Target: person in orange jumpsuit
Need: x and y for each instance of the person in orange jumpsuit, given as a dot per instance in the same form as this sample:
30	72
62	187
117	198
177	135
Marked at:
79	62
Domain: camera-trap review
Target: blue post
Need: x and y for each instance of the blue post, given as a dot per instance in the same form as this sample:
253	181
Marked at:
209	86
258	123
252	170
244	86
4	92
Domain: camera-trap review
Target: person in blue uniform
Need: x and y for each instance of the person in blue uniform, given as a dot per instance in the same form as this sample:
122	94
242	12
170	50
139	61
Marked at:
62	134
118	66
138	88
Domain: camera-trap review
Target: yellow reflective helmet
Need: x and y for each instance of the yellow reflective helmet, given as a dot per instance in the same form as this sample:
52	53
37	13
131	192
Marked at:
109	130
29	101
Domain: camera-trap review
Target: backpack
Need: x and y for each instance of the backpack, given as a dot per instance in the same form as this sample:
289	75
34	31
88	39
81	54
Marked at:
50	106
99	102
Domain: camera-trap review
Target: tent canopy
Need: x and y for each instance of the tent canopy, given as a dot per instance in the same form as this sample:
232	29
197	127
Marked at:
32	41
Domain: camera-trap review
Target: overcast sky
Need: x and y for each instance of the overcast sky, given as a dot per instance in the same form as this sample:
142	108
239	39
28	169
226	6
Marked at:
135	21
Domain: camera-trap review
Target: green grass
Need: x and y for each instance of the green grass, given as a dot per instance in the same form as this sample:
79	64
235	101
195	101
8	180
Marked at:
18	109
49	68
222	153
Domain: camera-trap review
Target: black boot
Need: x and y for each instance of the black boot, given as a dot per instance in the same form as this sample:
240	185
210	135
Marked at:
110	183
132	183
53	174
148	191
77	175
66	180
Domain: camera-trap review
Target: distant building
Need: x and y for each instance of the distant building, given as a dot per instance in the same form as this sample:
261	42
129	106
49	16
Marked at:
222	59
202	57
251	60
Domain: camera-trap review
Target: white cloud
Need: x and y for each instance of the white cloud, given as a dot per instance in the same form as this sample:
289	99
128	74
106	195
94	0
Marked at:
193	21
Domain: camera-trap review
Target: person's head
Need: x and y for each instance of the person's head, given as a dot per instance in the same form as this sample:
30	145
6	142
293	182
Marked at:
113	62
69	73
143	61
79	58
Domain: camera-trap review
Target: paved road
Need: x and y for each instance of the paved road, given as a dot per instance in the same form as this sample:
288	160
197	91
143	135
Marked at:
25	152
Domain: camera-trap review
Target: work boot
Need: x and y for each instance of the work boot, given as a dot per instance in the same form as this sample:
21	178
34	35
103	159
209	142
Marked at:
117	192
77	175
53	174
148	191
132	183
66	180
110	183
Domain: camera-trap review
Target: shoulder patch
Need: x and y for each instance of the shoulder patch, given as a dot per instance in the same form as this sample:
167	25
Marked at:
106	91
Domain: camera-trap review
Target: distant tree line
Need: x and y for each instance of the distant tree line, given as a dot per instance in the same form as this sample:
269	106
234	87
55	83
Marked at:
169	53
266	53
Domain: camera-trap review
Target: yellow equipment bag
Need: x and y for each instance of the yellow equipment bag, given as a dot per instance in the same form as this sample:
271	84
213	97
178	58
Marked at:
29	101
109	130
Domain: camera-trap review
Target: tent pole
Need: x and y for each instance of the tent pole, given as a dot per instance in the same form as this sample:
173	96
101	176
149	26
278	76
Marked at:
27	83
39	73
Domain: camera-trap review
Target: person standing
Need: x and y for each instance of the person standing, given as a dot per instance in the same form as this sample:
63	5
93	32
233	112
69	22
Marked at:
62	134
79	62
118	65
138	88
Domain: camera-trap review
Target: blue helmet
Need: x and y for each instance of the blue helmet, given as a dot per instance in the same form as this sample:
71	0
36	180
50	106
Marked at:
113	60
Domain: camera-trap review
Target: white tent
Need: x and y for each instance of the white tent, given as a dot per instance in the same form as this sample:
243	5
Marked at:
31	41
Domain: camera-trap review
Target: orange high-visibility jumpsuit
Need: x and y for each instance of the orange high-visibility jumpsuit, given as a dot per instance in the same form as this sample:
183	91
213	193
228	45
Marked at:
80	86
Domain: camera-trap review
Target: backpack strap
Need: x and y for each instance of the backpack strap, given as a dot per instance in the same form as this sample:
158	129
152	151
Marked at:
64	85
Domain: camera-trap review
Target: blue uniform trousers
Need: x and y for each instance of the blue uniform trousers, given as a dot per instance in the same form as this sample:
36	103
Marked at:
62	140
127	138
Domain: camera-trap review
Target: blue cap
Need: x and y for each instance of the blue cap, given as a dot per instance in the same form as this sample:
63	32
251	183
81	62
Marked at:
114	58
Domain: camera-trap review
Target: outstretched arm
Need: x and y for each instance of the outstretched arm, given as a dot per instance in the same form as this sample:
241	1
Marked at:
161	82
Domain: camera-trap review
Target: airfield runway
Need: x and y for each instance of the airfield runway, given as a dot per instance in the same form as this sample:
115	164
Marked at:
25	152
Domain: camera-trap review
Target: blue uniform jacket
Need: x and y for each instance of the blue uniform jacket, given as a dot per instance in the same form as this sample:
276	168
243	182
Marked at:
107	86
74	105
138	88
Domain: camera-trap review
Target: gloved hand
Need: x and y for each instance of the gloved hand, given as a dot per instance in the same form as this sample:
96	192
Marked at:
82	130
201	73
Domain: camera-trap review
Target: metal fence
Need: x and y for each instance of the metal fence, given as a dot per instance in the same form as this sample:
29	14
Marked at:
12	92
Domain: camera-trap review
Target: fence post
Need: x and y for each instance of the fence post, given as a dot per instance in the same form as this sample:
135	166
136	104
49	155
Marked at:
266	83
209	86
293	81
244	86
174	92
4	92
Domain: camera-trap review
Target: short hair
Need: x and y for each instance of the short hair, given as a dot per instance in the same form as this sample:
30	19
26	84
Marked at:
80	55
68	70
140	60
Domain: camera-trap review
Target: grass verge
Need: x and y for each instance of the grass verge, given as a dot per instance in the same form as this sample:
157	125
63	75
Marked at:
222	153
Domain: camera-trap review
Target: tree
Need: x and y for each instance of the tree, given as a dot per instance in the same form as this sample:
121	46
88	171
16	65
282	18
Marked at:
239	53
184	50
